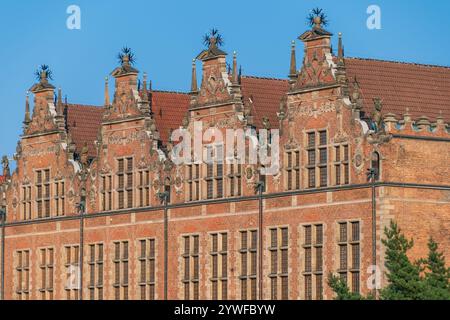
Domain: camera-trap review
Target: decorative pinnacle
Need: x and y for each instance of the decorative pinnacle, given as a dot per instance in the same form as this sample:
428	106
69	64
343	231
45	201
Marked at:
59	105
107	103
27	109
293	64
194	87
235	71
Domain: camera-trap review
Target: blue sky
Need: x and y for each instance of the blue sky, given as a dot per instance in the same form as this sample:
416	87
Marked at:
166	35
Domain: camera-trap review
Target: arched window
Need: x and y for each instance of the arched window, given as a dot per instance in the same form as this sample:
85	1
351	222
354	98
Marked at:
376	165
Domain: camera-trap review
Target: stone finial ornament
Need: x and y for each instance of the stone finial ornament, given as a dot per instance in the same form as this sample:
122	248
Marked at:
84	155
5	165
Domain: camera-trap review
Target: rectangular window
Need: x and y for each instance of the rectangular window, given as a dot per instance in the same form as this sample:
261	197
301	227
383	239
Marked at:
147	269
349	254
72	272
194	182
60	198
106	193
313	254
125	182
22	274
317	154
95	269
43	193
219	266
293	170
248	253
26	202
235	178
219	171
46	268
144	188
341	165
191	262
209	181
120	262
278	251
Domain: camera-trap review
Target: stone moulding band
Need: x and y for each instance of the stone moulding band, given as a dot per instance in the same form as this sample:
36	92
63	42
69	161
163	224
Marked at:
229	200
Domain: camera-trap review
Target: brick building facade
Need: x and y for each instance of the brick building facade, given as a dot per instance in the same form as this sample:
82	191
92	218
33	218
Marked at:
96	198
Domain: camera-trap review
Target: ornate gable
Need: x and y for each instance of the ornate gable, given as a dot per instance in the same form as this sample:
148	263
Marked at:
44	113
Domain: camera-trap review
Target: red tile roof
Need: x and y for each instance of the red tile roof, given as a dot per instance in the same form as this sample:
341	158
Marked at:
424	89
83	123
266	94
168	109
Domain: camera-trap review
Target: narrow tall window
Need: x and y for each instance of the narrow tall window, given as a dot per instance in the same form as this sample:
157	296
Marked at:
194	181
72	267
144	188
349	254
95	263
191	267
313	269
311	165
125	182
209	181
43	193
120	261
376	165
248	272
60	198
235	175
219	266
46	267
323	159
341	165
317	152
106	192
26	202
22	274
219	171
293	170
279	243
147	269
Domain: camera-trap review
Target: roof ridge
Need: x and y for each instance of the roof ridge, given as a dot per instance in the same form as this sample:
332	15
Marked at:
84	105
171	91
400	62
264	78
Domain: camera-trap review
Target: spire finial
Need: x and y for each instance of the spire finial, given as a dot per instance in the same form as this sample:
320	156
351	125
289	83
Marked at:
106	92
59	105
235	77
293	65
194	87
144	82
27	109
340	47
144	87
